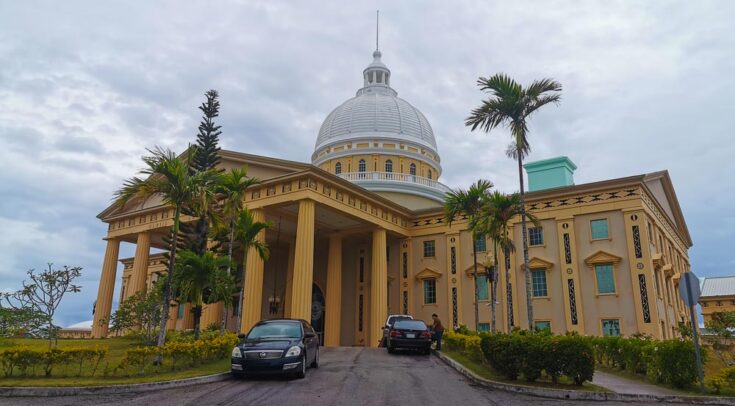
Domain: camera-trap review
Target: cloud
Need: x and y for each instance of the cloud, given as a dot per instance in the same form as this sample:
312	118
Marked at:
85	88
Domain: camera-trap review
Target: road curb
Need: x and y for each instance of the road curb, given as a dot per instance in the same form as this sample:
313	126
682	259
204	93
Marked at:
26	391
580	395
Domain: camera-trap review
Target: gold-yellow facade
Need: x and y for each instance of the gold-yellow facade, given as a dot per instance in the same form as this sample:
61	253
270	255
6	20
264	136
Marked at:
348	257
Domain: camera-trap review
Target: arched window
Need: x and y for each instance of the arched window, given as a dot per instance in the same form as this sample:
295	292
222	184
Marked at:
361	167
429	174
338	168
412	169
389	166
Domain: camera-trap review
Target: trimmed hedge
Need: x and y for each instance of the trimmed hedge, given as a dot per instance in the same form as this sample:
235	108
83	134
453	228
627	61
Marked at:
530	355
666	361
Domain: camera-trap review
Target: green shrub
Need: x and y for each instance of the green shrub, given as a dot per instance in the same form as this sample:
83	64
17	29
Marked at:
503	352
724	380
673	362
576	355
533	359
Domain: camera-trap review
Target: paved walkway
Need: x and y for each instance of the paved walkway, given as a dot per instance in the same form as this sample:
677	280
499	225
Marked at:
626	385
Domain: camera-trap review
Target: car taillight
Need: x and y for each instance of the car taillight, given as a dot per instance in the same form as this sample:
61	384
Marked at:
426	334
395	333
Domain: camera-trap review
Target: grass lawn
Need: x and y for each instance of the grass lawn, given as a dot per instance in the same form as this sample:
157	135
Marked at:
487	372
67	375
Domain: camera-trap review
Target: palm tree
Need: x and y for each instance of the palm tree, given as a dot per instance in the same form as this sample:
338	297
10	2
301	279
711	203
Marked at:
469	203
231	190
197	276
511	105
246	233
168	177
499	211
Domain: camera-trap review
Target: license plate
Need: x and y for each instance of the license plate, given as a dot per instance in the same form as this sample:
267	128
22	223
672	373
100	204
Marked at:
410	335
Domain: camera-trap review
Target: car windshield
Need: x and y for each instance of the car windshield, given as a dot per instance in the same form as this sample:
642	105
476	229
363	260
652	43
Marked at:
275	330
394	319
410	325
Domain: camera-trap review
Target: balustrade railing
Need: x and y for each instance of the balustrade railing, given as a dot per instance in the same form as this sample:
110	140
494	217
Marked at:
393	177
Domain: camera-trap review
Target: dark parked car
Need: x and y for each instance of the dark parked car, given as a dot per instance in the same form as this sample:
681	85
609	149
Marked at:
389	324
411	334
282	346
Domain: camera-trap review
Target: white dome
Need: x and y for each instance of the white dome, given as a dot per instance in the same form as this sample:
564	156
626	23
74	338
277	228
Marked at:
376	113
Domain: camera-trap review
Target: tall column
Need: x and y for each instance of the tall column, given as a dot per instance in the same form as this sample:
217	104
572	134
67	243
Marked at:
252	300
289	280
106	289
378	288
139	274
333	312
303	274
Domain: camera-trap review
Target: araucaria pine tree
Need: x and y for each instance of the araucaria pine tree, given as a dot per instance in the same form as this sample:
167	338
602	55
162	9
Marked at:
206	158
208	138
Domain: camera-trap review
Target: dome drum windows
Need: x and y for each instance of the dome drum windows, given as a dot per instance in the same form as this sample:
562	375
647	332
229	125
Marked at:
338	168
389	166
362	167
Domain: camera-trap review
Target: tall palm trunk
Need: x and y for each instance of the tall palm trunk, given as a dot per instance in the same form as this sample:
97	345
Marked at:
477	292
197	312
508	287
242	289
494	292
169	277
527	272
223	324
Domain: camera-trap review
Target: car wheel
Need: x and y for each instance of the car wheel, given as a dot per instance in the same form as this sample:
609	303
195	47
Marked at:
315	363
391	350
302	370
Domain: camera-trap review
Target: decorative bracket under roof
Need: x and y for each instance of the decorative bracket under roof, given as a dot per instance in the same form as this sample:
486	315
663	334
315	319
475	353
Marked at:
538	263
667	269
601	257
658	259
428	273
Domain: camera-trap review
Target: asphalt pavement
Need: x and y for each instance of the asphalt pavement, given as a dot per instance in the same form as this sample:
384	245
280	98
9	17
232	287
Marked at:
347	376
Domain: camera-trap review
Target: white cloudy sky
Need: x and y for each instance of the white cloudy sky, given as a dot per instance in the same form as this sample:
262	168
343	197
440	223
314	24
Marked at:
85	87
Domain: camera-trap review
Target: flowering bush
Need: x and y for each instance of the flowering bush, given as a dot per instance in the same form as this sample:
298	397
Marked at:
24	358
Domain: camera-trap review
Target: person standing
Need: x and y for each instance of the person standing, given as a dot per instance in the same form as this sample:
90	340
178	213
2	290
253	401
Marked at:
438	328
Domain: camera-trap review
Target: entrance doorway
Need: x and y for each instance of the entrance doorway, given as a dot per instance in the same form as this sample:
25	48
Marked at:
317	311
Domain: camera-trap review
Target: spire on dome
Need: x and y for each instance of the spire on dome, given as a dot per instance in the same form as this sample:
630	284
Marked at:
376	75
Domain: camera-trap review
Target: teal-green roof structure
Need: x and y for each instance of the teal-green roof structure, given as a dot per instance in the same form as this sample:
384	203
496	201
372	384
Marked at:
550	173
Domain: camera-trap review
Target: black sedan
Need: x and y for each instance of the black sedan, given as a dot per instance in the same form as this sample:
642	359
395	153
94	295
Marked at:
410	334
282	346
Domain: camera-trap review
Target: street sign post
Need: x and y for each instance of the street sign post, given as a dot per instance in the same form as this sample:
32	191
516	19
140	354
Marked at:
690	292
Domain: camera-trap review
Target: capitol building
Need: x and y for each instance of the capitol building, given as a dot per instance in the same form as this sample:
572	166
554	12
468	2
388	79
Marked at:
359	233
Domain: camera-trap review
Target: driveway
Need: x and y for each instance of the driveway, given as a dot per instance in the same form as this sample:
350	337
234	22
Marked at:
347	376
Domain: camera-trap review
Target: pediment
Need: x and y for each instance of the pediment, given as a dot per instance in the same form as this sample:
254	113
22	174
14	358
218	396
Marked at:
428	273
601	257
471	269
539	263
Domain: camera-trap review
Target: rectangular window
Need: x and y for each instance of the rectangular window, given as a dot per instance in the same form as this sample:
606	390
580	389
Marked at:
429	291
480	243
605	279
611	327
181	311
429	249
600	229
538	279
482	288
536	236
542	325
483	327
